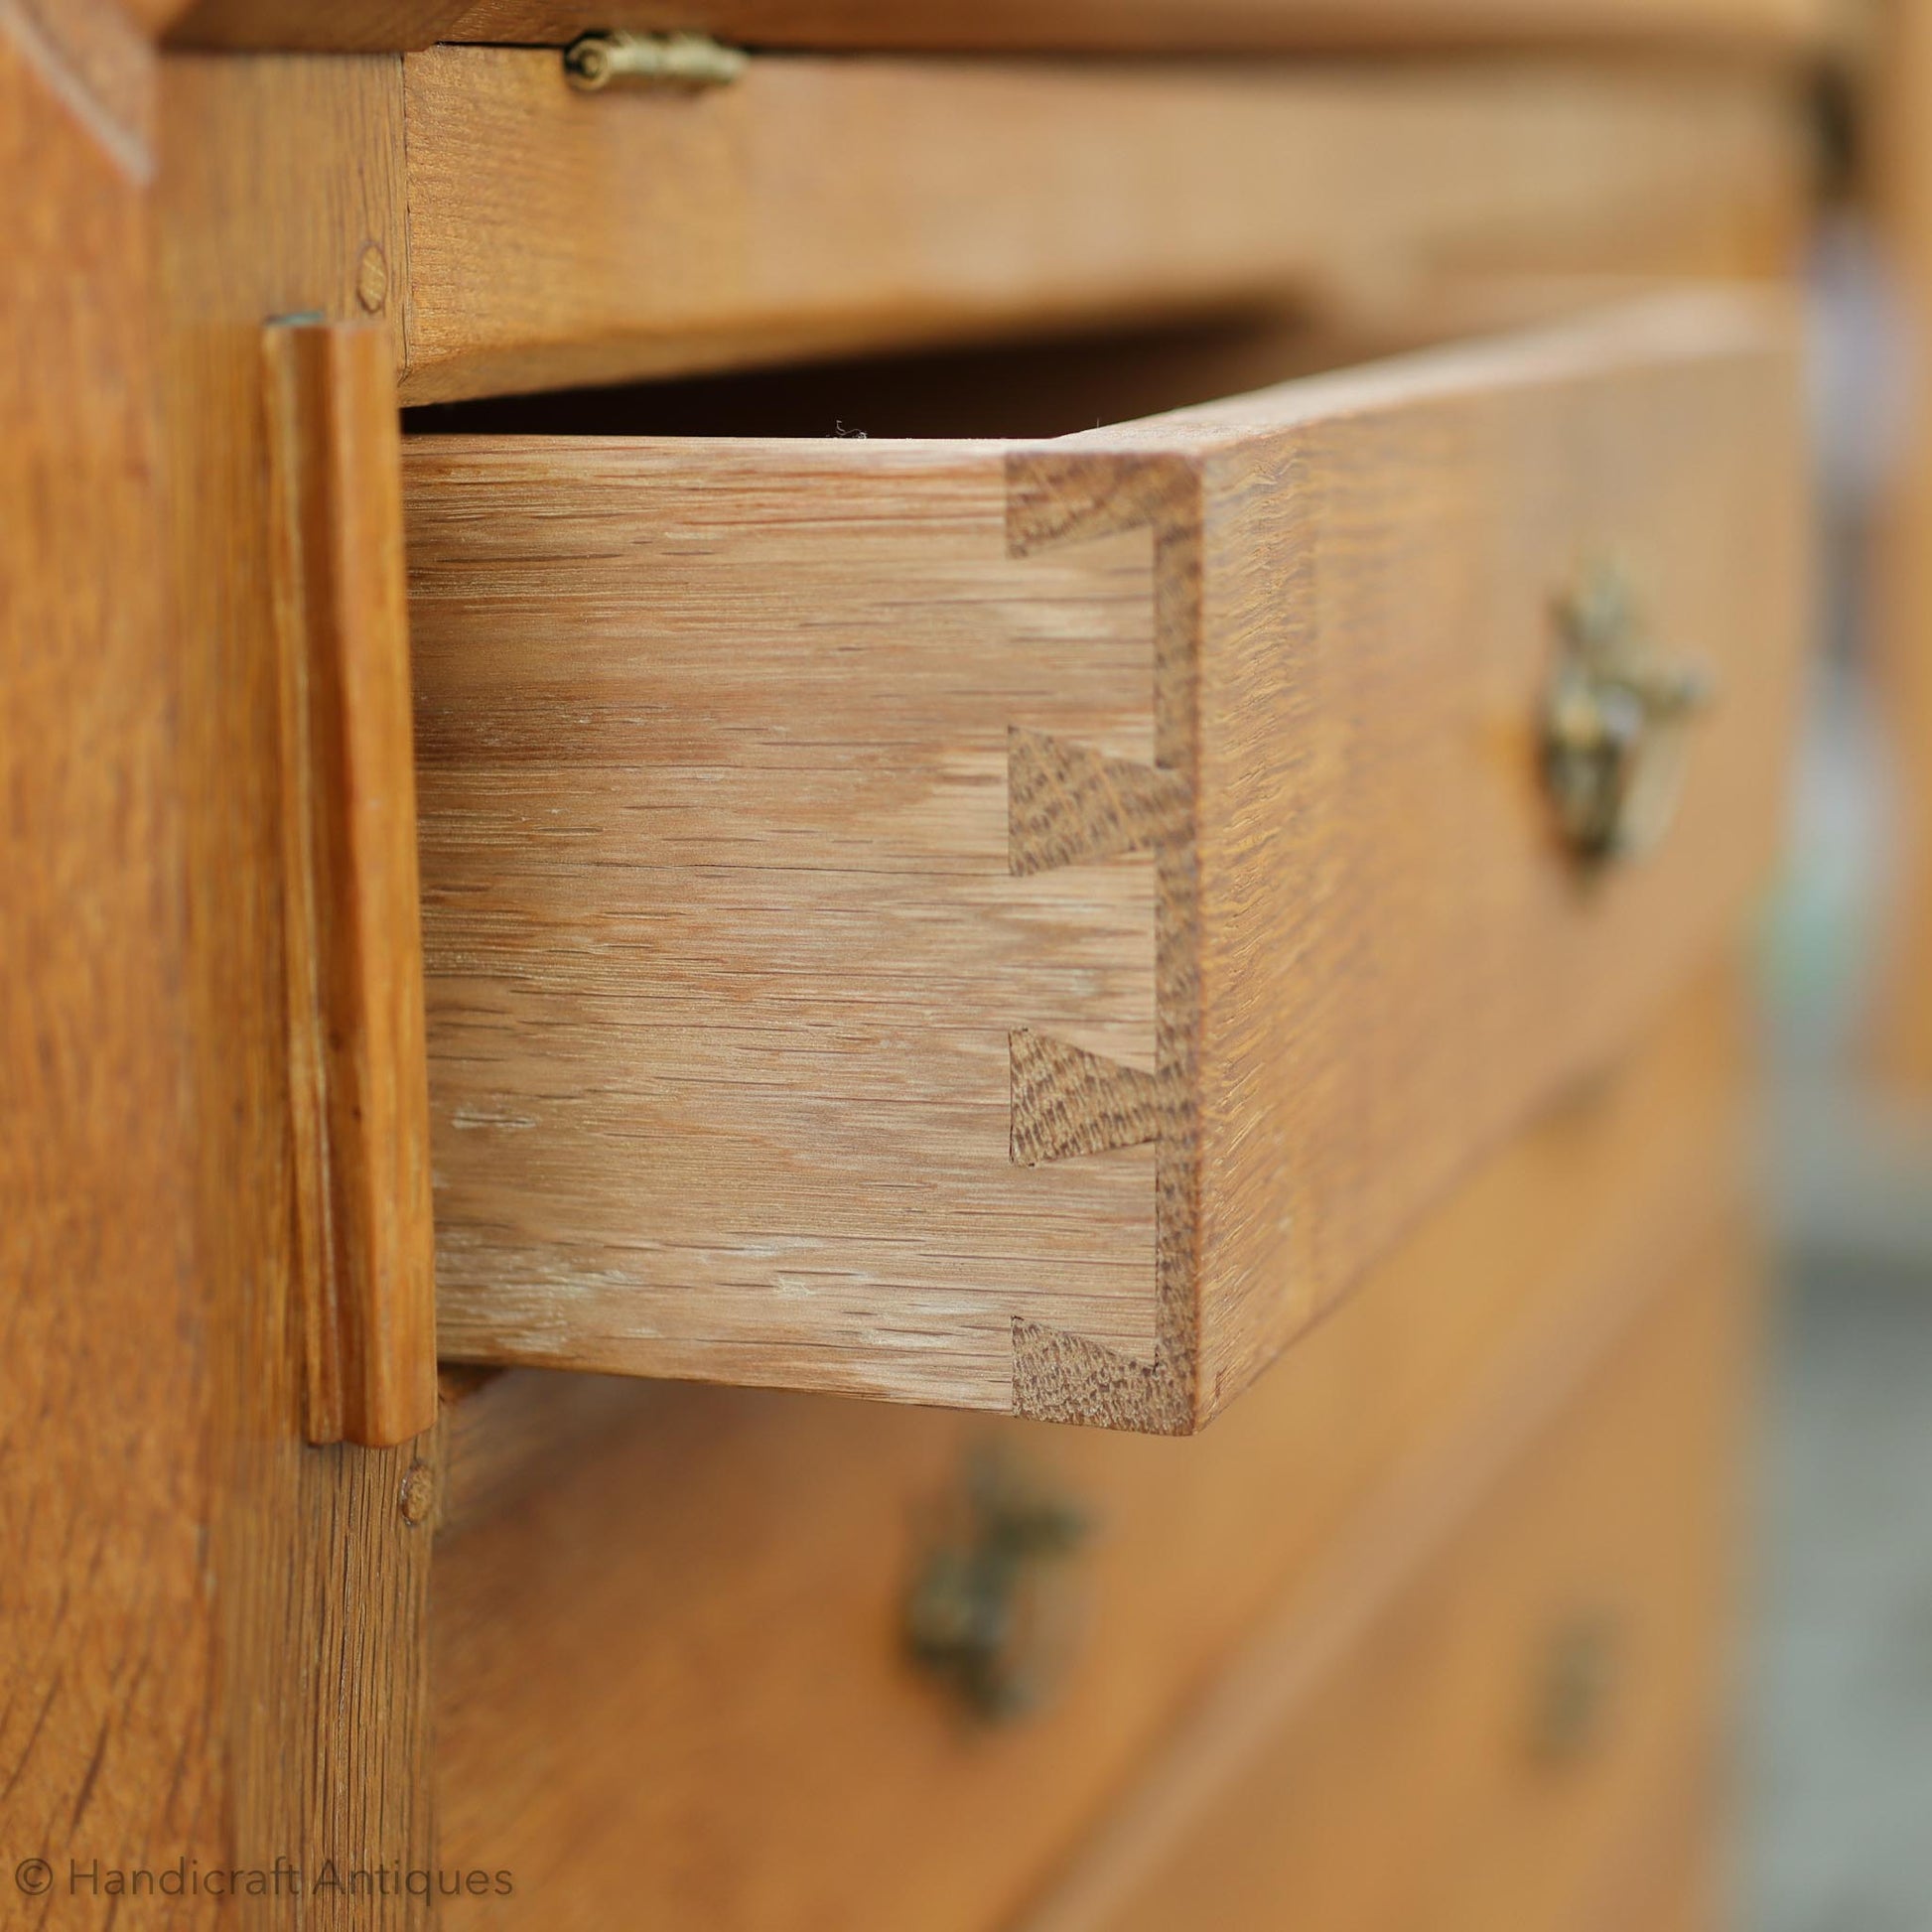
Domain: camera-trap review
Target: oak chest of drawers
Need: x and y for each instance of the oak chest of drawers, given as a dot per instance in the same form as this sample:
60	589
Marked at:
984	735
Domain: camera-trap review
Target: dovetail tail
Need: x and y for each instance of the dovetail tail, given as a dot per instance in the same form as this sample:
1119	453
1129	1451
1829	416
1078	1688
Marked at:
1067	1101
1070	805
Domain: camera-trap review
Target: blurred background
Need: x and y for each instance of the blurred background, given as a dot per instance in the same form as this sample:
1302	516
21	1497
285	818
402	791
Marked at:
1838	1750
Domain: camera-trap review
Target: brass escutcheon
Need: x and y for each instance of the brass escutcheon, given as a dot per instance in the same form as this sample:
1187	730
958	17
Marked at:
1576	1692
1613	723
991	1611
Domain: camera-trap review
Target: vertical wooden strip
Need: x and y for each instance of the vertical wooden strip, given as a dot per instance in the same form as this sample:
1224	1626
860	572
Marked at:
281	182
358	1081
366	1784
313	1259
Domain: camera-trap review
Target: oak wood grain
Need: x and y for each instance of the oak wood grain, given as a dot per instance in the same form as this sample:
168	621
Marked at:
318	25
359	1078
825	205
848	1022
287	1584
153	16
741	1001
1388	1754
1386	926
1179	25
281	177
1057	25
108	1752
670	1682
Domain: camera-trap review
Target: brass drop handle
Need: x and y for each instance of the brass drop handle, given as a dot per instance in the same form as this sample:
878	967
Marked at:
1613	718
992	1609
1578	1672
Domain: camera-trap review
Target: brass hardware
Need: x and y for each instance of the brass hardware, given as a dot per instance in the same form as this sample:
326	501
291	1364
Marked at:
1614	724
991	1612
600	60
1576	1689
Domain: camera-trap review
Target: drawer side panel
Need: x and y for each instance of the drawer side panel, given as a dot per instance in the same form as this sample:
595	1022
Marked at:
728	944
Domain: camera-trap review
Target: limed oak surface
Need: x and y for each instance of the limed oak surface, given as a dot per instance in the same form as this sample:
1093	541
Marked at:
1024	926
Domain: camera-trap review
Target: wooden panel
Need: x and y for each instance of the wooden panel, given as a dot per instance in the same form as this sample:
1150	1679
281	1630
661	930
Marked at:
821	205
1689	1905
828	1194
1475	1750
1674	1874
358	1076
106	1752
331	26
1901	1038
1693	1897
1395	962
1155	23
153	16
670	1685
1142	25
276	196
762	1048
199	1614
100	52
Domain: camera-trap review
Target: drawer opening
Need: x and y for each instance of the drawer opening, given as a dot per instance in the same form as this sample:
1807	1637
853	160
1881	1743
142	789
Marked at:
1027	391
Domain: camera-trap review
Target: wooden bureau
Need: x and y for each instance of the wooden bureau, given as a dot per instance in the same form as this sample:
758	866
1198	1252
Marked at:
998	733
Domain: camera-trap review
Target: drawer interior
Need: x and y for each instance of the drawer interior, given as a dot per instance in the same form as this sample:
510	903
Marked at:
1023	390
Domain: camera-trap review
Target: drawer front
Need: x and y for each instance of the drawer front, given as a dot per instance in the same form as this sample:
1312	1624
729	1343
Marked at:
556	239
1524	1734
1023	926
1059	27
672	1683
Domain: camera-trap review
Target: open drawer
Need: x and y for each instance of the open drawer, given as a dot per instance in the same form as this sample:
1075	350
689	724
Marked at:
1022	925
